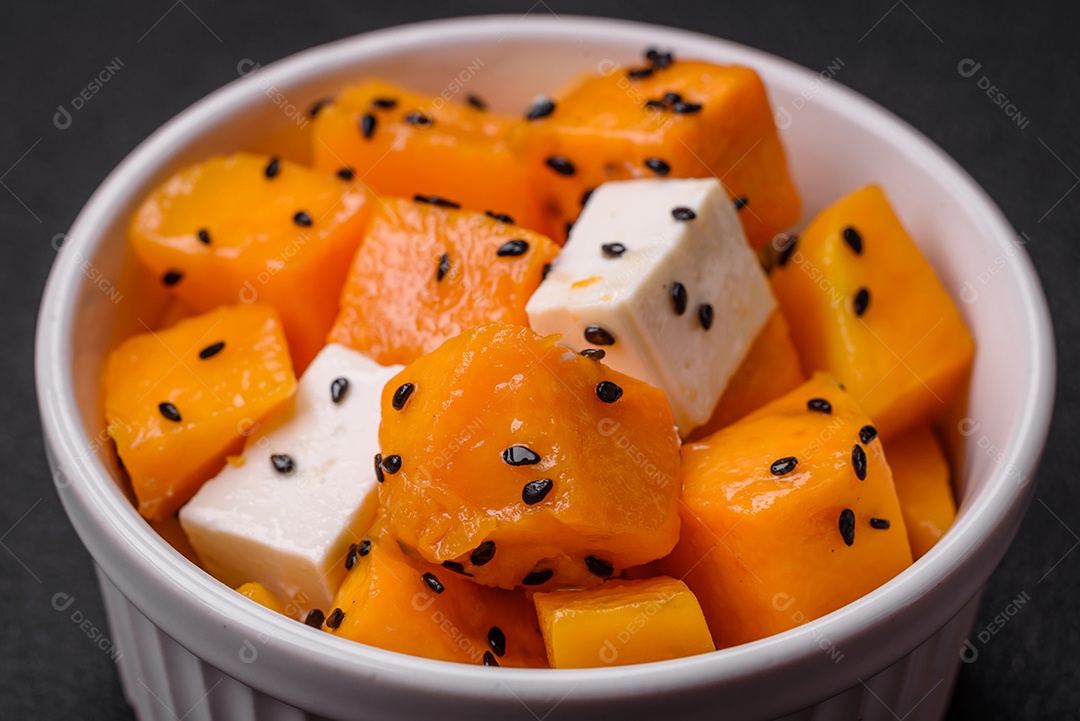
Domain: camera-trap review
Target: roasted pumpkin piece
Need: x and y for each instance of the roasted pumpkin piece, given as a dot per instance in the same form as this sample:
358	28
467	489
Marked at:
865	305
523	463
921	474
177	401
260	595
769	370
394	600
622	622
249	228
425	273
681	119
401	143
788	514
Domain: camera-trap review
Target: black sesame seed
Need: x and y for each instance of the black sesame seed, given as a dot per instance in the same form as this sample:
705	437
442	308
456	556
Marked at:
544	271
783	466
172	277
402	395
608	392
586	195
391	464
678	297
169	411
536	491
203	236
561	165
501	217
212	350
651	54
384	103
637	73
671	98
684	108
786	251
283	463
436	200
662	60
315	618
599	567
740	202
273	167
489	659
419	119
443	267
350	557
858	461
339	387
847	526
541	108
367	125
861	302
378	468
656	104
364	547
598	336
513	248
853	239
476	102
658	166
319	105
594	353
612	250
521	456
538	578
335	618
482	554
346	174
819	404
705	315
432	582
683	213
302	218
867	434
497	640
455	567
881	524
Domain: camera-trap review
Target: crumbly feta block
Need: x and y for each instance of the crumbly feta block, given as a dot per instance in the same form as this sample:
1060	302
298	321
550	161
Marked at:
658	274
285	513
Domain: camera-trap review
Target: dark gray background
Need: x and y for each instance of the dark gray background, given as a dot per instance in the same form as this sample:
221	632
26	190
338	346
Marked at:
903	55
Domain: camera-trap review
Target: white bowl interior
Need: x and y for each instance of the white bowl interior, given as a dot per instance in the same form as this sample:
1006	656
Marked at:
836	142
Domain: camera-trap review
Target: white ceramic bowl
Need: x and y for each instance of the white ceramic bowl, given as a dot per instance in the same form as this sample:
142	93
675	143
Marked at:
193	648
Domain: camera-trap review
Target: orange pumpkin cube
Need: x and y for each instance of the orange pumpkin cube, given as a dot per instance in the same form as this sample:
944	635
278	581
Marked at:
921	474
771	369
621	623
398	602
687	120
522	463
397	142
247	228
788	514
865	305
178	401
425	273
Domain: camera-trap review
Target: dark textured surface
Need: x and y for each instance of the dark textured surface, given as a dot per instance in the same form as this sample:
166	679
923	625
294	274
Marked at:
903	55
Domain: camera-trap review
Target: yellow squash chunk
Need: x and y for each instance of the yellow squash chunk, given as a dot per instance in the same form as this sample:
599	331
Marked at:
921	474
621	123
397	601
788	514
260	595
249	228
622	622
865	305
177	402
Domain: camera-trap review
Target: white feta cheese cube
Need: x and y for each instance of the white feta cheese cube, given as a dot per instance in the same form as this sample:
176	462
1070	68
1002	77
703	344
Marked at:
658	274
290	528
